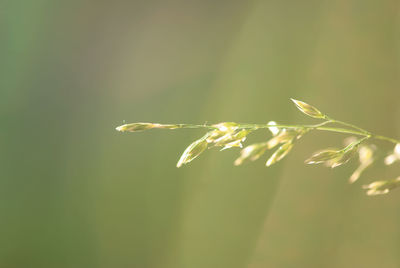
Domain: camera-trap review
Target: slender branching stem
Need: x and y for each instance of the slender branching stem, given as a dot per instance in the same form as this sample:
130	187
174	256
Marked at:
231	134
321	127
347	125
378	137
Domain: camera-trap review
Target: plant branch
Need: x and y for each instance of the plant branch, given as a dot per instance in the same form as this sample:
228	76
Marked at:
321	127
230	134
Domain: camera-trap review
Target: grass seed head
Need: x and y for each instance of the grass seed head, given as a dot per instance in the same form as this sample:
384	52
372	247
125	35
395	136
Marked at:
231	134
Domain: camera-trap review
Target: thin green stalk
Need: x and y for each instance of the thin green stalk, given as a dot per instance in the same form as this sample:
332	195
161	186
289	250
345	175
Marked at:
308	127
348	125
321	127
378	137
194	126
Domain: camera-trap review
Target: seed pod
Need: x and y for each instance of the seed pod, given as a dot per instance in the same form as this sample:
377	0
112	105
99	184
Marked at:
216	135
223	133
345	157
226	126
308	109
280	153
333	158
394	157
251	152
135	127
366	153
193	151
233	139
323	156
347	153
274	130
236	143
366	159
381	187
284	136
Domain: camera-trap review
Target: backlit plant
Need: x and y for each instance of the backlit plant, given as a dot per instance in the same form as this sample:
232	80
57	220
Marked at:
229	134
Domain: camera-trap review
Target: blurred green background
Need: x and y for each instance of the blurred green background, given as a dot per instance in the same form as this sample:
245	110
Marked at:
76	193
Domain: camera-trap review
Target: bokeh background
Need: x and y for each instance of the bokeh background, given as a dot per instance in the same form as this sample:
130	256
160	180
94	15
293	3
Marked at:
76	193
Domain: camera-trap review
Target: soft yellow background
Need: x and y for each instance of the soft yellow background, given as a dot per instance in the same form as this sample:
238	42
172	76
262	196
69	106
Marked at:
76	193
